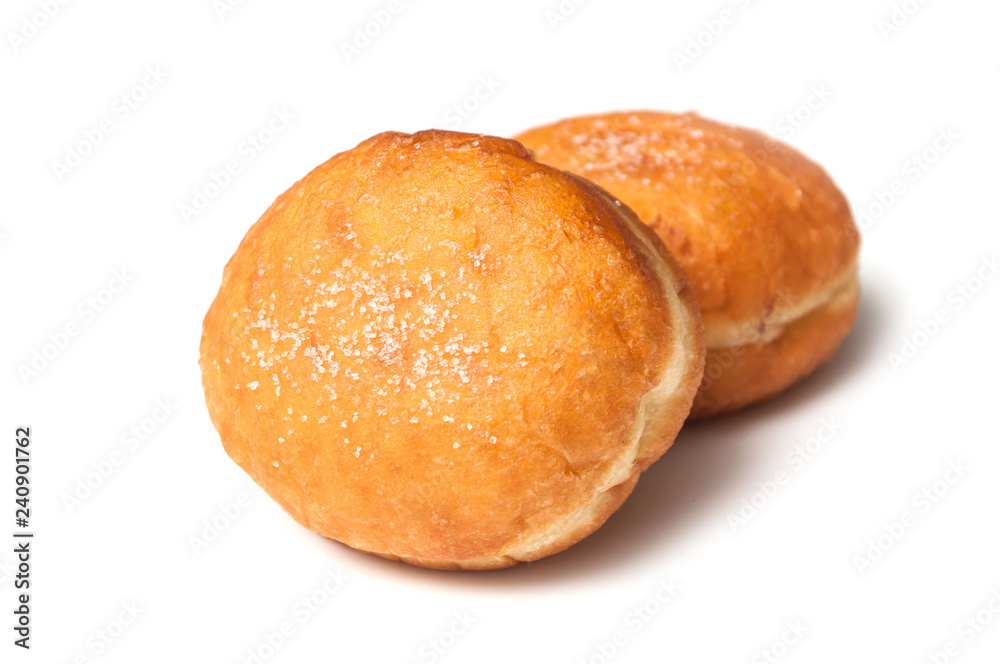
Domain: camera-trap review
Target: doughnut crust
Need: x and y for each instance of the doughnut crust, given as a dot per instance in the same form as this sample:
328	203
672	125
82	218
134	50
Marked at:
437	350
766	238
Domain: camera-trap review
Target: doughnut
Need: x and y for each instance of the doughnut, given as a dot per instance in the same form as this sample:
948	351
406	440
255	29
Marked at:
437	350
765	236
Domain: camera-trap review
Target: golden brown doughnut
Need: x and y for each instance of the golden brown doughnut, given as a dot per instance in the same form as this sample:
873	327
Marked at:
766	238
437	350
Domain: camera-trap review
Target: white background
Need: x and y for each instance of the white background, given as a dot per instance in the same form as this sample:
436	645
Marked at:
897	427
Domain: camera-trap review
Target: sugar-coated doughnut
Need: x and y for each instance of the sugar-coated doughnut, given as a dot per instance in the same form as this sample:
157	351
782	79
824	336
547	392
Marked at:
766	238
435	349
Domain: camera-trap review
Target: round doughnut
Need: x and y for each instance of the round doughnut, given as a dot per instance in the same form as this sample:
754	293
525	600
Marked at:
437	350
765	236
